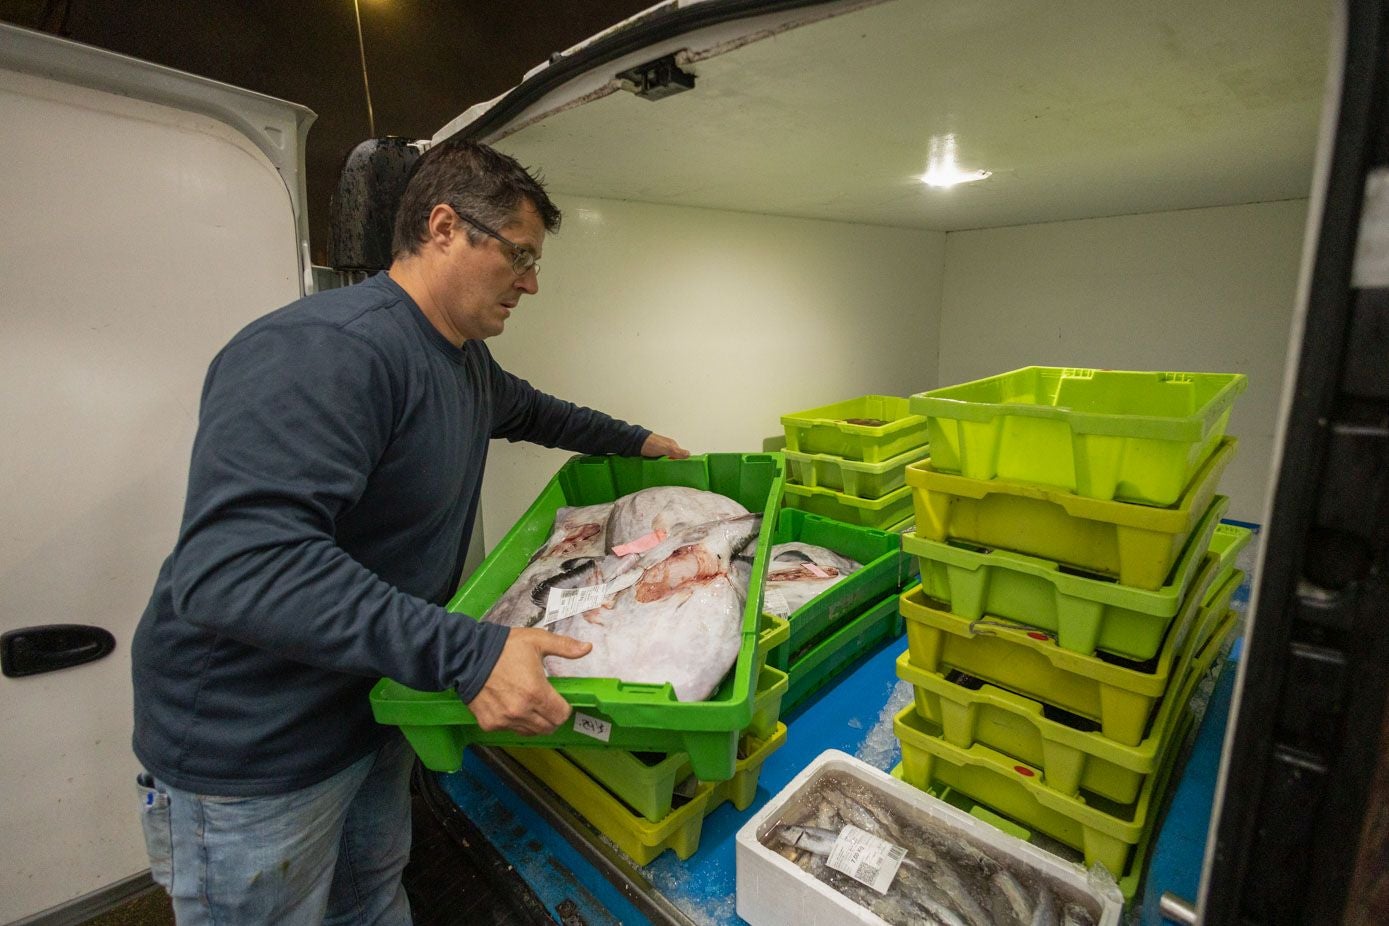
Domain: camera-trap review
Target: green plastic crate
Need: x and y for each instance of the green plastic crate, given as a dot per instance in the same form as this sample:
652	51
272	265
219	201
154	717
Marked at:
643	717
852	477
886	569
1070	756
1135	544
1228	541
1128	882
1120	695
825	661
877	513
646	782
1105	831
827	429
635	835
1134	436
1086	614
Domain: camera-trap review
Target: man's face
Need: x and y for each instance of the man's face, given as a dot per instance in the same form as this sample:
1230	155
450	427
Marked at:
482	287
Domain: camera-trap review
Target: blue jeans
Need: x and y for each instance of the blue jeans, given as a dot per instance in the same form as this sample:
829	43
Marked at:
329	853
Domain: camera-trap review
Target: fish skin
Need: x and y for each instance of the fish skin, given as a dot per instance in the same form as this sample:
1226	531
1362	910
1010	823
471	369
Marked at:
1075	915
578	534
1013	893
650	629
665	508
1044	914
787	574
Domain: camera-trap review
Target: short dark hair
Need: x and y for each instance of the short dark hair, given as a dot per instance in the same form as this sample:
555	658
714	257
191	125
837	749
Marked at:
476	180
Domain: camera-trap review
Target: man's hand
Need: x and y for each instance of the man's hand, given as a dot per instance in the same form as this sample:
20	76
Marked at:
658	445
518	695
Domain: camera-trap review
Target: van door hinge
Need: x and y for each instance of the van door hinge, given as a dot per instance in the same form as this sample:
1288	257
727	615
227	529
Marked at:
656	80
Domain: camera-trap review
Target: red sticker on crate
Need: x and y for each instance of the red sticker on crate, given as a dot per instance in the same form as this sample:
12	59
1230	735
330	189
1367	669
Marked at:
1024	770
1038	636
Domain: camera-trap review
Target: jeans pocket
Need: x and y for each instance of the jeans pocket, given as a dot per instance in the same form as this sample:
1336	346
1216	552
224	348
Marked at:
154	819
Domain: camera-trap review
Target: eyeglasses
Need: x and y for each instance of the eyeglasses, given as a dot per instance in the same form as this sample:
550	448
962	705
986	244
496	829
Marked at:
522	258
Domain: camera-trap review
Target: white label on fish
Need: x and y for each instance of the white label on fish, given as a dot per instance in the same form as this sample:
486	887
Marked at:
866	858
773	600
566	602
592	726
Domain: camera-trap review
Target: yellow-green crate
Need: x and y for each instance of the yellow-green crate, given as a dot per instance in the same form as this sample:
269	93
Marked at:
877	513
831	429
852	477
646	782
1085	614
635	835
1104	831
1118	694
1070	757
1134	436
1136	544
1128	881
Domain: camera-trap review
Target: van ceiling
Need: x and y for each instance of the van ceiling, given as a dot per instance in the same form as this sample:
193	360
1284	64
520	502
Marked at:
1080	109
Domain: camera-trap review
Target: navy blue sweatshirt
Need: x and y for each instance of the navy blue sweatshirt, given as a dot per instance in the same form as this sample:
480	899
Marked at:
333	485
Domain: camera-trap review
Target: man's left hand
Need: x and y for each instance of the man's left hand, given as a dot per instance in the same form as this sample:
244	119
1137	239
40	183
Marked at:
658	445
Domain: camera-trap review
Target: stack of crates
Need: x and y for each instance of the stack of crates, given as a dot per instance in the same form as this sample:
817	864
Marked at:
847	461
827	634
648	802
643	768
1076	586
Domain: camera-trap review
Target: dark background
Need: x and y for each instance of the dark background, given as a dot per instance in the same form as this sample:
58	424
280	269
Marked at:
427	60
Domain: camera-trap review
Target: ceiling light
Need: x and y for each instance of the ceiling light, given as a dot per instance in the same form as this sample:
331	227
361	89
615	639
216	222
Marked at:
942	168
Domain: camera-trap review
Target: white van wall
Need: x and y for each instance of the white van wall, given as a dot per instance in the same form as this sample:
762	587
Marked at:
1201	289
137	239
709	325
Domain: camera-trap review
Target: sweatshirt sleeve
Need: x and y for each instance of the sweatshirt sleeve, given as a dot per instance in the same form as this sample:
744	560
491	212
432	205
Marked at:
293	421
523	412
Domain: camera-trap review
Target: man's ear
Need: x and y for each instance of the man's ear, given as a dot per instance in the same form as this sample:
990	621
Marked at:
443	225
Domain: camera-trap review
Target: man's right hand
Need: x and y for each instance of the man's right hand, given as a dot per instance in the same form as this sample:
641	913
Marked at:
518	695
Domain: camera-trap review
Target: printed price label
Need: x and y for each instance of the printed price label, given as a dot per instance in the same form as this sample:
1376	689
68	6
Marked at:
866	858
566	602
592	726
773	600
816	571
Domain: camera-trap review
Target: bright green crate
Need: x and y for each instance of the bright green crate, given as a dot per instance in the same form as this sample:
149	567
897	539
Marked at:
646	781
852	477
885	570
1134	436
640	838
1086	614
1118	694
827	660
1071	754
827	429
1105	831
643	717
1135	544
878	513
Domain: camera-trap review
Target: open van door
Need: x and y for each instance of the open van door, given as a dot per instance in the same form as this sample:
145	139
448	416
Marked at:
148	215
1302	825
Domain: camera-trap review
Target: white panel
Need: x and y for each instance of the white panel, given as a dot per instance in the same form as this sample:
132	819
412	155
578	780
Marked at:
136	240
1080	109
1199	290
708	326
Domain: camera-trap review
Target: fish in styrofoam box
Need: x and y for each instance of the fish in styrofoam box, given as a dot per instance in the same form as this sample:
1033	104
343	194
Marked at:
845	842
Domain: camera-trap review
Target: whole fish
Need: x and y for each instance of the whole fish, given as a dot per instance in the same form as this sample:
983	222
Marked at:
664	509
670	614
1014	894
577	538
798	572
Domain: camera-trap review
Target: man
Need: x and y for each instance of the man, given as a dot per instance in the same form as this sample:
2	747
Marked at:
333	485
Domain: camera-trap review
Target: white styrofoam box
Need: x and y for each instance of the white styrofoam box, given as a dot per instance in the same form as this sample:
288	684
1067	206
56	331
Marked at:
773	891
